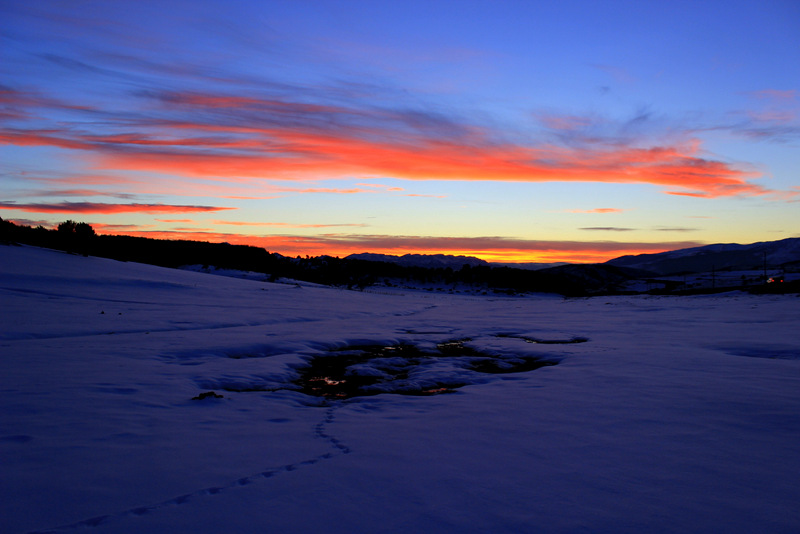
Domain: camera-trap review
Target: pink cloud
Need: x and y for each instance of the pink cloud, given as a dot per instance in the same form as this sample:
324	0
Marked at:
776	94
92	207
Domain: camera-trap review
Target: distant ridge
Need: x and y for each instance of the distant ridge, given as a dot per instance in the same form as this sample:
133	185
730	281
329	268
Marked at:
728	256
433	261
531	266
427	261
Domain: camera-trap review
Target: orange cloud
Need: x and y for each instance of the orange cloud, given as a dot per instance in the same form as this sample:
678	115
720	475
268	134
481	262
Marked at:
120	229
93	207
242	137
314	155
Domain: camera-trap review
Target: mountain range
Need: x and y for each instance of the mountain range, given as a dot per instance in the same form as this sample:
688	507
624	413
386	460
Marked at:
719	257
427	261
443	261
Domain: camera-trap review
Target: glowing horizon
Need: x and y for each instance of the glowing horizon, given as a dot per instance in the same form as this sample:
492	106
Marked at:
488	248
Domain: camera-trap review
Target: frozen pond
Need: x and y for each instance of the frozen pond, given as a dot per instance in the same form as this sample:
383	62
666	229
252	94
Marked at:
361	371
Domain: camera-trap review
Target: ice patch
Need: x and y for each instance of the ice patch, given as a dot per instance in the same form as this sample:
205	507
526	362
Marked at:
405	369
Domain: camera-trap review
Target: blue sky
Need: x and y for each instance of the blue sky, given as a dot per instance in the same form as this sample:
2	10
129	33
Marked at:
513	131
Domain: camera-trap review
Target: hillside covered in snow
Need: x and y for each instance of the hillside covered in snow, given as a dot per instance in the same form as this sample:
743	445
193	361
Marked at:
135	398
731	257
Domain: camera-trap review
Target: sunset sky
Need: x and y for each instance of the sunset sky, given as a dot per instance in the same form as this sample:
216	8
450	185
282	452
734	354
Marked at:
518	131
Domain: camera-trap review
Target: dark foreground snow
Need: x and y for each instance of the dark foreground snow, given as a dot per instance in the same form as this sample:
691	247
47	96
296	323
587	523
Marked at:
677	415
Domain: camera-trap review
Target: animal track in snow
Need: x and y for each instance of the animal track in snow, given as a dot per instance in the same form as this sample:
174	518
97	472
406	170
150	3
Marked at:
320	430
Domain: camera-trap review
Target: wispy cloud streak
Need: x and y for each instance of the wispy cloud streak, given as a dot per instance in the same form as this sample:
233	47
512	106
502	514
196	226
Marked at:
94	207
249	135
287	225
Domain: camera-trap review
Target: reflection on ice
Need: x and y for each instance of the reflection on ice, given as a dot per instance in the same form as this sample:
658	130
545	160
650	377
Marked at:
405	369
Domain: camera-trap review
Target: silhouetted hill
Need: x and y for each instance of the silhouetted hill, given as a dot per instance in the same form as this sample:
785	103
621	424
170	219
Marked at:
593	278
716	257
432	261
428	261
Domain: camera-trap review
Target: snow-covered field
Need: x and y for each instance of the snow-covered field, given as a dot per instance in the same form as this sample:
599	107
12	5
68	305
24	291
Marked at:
678	414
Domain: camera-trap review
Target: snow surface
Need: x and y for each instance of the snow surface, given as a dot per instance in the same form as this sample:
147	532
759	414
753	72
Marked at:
679	414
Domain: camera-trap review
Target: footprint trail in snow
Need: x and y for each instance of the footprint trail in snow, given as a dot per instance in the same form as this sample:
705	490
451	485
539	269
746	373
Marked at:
320	430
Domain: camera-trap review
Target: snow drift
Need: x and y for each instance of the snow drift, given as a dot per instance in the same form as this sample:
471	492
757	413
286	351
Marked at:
673	414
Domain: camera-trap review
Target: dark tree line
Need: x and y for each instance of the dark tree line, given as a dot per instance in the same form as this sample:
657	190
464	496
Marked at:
80	238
